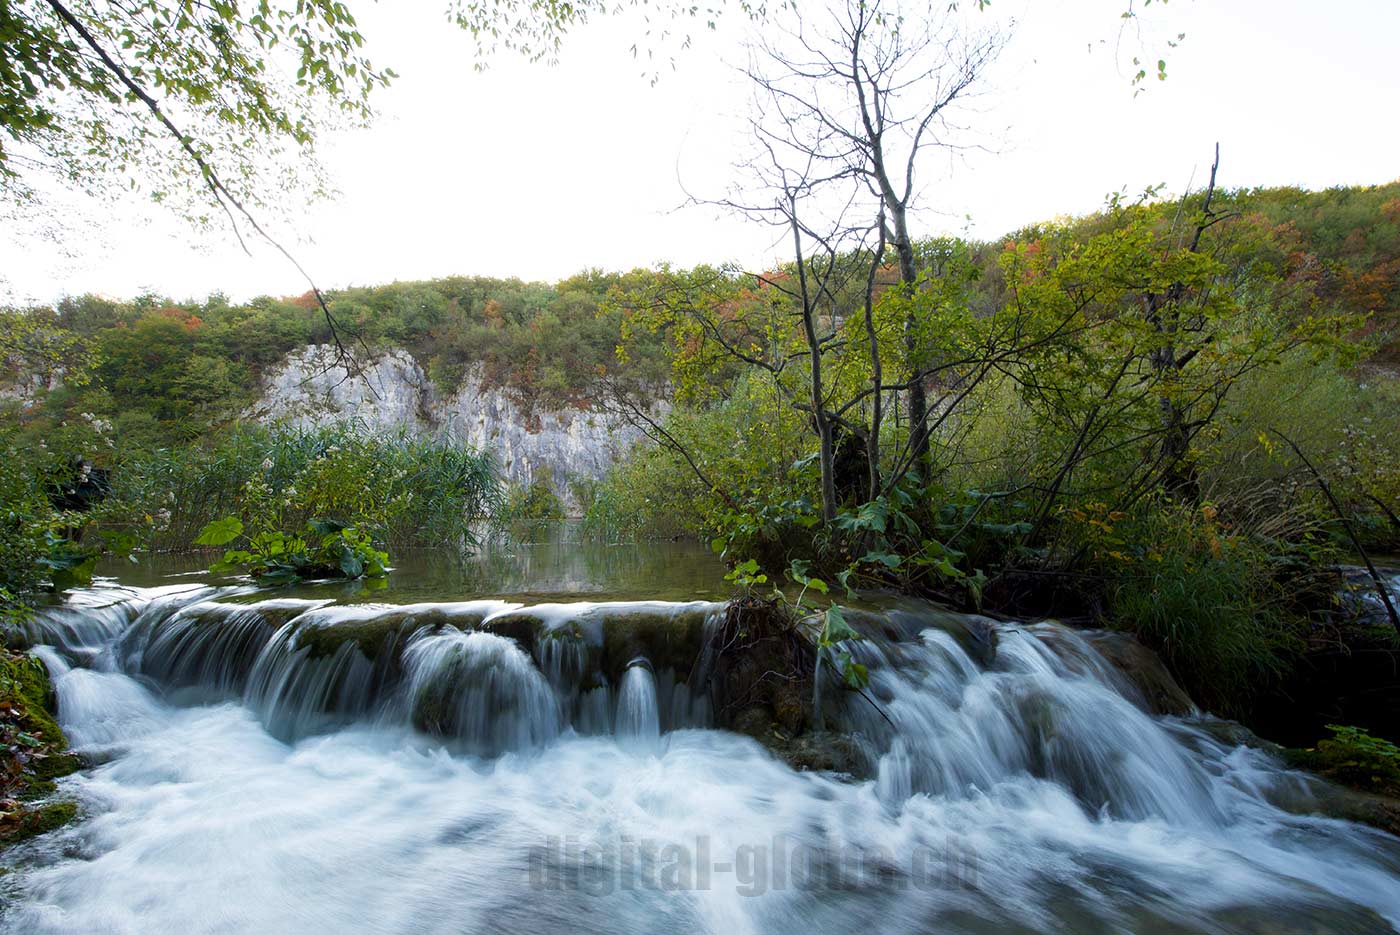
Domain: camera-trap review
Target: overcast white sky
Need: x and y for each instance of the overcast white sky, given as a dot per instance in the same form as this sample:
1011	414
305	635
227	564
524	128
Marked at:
539	172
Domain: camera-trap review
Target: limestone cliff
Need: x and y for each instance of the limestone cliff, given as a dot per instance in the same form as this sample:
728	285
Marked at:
391	391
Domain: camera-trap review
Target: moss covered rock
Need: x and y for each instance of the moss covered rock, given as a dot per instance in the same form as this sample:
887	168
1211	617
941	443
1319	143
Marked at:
34	752
35	820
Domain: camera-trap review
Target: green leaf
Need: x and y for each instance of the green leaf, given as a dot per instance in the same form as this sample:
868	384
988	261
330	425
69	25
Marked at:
220	532
836	629
844	579
855	674
279	574
975	584
351	564
888	559
325	527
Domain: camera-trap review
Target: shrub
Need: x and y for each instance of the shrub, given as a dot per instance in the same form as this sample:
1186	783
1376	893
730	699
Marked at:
533	505
322	549
1205	597
37	547
405	491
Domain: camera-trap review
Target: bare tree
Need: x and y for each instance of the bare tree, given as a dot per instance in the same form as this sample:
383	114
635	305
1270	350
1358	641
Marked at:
862	97
830	248
842	112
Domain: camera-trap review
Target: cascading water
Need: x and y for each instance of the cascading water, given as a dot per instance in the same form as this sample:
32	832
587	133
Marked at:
481	689
295	766
958	728
638	718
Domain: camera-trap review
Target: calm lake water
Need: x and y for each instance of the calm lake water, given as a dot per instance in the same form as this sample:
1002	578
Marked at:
554	566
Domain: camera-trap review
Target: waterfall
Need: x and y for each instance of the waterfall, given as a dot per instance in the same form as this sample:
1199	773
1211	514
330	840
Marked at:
1048	708
638	717
479	689
481	765
298	692
87	621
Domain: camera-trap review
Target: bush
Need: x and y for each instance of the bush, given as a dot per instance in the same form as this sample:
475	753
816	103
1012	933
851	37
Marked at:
534	505
37	547
405	491
1208	599
323	549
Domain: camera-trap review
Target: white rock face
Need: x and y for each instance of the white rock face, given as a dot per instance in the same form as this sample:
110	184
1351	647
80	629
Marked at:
310	388
27	387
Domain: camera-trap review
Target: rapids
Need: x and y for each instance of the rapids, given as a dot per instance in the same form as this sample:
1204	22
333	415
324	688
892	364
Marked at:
308	765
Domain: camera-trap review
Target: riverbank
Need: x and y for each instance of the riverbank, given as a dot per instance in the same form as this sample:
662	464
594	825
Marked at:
33	752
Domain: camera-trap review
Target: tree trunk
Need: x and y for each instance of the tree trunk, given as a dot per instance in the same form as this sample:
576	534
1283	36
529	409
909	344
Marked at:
809	330
877	371
908	275
820	420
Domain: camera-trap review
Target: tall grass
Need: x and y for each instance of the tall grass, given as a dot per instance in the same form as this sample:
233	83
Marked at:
1225	609
407	491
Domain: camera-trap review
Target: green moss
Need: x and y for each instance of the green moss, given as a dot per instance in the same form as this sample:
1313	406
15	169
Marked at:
56	766
523	626
372	634
27	723
24	684
667	639
39	821
1355	759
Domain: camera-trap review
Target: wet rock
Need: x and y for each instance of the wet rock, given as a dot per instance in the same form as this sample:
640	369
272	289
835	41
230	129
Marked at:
1318	796
761	657
1144	670
1378	811
761	686
1235	734
669	638
810	751
381	632
33	753
36	821
903	623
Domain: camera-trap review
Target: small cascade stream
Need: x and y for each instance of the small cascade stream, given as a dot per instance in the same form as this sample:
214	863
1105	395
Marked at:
301	765
638	718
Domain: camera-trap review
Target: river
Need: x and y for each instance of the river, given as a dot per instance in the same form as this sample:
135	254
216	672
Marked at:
521	744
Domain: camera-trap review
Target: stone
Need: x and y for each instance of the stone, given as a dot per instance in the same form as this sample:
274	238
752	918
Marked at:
392	392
